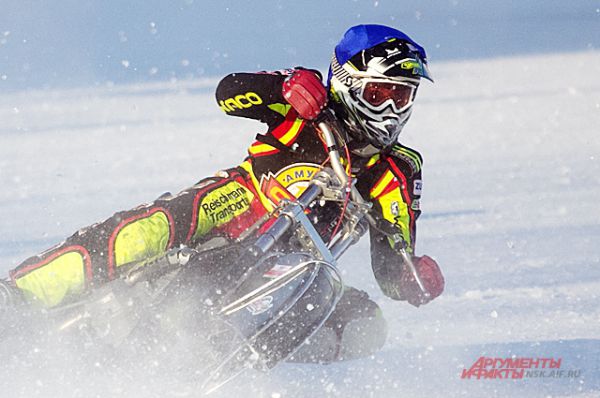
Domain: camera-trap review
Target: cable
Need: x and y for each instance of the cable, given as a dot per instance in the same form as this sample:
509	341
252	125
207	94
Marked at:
348	189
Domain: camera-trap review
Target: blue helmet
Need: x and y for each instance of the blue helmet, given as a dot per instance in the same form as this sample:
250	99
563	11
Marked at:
374	75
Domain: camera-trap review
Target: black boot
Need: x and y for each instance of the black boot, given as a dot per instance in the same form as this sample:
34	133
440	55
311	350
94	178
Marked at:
355	329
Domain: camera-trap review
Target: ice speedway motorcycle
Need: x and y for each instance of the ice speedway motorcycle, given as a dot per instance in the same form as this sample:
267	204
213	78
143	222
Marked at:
248	303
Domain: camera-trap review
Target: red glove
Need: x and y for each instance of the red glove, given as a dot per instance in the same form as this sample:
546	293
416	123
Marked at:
432	279
304	91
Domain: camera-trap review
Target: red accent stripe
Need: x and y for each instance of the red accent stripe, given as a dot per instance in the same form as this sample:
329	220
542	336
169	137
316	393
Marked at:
265	153
378	182
279	132
287	124
14	275
393	184
406	197
122	224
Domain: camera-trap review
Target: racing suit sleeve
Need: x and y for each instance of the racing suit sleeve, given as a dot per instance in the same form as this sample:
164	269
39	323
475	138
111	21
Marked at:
254	95
395	194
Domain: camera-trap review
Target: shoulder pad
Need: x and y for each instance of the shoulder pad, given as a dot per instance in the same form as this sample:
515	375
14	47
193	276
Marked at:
408	156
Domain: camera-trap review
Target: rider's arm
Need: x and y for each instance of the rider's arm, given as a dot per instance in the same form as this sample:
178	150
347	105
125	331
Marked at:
254	95
261	95
395	190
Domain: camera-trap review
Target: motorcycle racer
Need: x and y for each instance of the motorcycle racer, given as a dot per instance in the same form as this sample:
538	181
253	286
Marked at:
371	86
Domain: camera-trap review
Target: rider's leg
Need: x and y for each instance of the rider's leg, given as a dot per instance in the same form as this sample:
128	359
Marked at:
224	205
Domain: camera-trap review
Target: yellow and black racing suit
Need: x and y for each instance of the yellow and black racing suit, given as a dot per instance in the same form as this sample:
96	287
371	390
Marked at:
286	158
280	164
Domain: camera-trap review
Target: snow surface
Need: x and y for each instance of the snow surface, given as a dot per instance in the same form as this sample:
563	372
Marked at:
510	210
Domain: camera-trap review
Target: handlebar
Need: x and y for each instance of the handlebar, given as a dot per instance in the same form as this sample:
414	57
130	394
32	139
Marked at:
285	221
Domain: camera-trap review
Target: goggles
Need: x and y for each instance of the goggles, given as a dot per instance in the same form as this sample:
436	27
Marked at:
379	93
